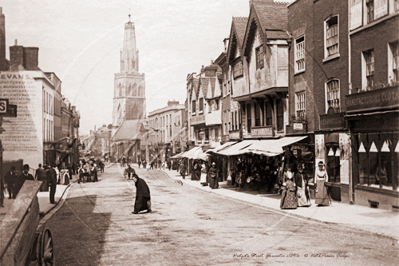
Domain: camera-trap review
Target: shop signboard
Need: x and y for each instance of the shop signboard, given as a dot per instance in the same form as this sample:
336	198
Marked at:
22	137
378	99
234	134
195	120
262	132
332	121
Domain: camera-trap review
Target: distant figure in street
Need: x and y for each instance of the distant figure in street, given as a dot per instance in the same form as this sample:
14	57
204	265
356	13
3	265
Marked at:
213	176
139	163
52	181
129	172
10	178
144	164
21	179
143	198
41	175
183	169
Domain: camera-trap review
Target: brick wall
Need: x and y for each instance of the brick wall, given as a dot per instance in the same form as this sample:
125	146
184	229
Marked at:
377	38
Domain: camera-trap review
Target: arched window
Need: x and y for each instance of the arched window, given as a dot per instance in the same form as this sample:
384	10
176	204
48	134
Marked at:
129	90
134	92
332	96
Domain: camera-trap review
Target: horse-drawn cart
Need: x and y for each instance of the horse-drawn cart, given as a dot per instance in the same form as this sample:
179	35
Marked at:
23	237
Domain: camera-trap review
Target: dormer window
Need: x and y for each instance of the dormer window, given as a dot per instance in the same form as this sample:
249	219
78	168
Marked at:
259	58
238	72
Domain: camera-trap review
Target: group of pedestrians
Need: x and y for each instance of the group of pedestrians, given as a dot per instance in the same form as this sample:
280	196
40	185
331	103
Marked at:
14	180
295	188
201	172
88	171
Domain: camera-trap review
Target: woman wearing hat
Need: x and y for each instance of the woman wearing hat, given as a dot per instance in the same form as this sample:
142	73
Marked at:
322	197
301	181
289	199
213	176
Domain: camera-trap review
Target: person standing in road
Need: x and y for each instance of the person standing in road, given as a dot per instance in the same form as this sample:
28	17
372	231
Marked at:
139	163
213	176
52	180
322	197
301	182
10	178
143	197
21	179
129	172
183	169
289	198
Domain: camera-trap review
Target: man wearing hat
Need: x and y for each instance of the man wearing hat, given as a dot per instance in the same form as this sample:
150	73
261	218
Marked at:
20	180
52	181
10	178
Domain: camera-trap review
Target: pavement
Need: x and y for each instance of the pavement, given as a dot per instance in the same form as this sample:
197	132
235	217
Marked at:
376	221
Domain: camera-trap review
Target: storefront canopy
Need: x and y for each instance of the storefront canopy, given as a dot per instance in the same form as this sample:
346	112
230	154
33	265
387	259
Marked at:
177	155
195	153
272	147
237	149
222	147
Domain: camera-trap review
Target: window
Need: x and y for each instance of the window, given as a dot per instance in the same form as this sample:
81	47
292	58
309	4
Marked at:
333	163
193	107
238	69
331	36
333	96
300	54
280	115
249	120
259	58
300	104
257	115
201	105
369	60
269	114
393	62
170	131
370	10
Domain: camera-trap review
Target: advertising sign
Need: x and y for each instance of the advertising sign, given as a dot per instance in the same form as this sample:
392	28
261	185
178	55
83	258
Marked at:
22	138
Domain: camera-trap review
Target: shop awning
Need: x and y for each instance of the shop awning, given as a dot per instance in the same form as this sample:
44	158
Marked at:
195	153
177	155
272	147
236	149
222	147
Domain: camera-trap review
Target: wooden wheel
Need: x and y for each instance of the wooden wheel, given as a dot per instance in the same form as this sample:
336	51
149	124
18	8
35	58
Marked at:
46	255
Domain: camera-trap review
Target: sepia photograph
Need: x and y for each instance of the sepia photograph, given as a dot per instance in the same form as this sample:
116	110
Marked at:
186	132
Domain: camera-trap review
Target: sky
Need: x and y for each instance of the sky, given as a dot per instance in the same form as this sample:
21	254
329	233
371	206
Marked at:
80	40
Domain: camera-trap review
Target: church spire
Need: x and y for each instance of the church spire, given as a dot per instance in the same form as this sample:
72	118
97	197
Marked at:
130	55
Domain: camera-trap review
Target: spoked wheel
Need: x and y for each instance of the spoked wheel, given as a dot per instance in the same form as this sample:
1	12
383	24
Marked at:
46	255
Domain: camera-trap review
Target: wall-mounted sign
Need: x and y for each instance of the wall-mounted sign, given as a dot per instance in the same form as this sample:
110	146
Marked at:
262	132
297	126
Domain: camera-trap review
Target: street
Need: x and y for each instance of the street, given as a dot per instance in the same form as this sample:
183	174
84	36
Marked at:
192	227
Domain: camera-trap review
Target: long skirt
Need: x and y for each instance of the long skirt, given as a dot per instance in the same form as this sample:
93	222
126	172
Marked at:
142	203
203	180
289	198
322	197
303	200
213	182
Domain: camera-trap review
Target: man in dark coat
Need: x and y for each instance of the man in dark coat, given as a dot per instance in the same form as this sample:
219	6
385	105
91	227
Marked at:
213	176
20	180
143	198
52	181
41	175
10	178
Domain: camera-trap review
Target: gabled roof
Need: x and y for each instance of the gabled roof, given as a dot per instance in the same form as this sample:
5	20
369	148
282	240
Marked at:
237	32
271	18
129	130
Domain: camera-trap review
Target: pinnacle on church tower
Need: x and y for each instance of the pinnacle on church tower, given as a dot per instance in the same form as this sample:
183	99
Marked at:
129	54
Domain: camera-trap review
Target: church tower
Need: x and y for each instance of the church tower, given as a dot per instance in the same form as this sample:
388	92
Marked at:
129	84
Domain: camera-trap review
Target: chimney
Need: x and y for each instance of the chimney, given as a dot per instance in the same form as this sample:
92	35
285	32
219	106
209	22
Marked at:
3	61
31	59
16	57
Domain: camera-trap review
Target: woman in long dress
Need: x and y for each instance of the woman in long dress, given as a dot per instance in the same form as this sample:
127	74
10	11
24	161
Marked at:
322	197
289	199
301	181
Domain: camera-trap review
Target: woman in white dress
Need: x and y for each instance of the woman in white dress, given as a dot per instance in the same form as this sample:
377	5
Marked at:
322	197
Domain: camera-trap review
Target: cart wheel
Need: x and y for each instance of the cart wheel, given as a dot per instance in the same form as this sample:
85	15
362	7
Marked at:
46	256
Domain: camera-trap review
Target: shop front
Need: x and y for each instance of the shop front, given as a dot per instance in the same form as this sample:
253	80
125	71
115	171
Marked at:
373	118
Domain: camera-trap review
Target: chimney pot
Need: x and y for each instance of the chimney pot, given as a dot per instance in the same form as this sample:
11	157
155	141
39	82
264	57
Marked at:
16	42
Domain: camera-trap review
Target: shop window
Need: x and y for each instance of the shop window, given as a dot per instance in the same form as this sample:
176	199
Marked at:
269	114
257	115
368	65
393	62
238	69
280	115
300	54
249	120
333	163
259	58
300	104
331	37
332	90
